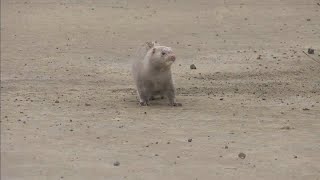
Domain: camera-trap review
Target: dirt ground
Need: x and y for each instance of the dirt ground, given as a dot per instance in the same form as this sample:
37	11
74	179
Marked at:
69	109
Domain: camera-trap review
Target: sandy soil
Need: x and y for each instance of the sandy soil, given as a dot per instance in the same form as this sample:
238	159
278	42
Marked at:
69	108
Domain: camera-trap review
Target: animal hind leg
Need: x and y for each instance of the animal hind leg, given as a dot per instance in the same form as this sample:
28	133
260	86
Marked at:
172	99
143	98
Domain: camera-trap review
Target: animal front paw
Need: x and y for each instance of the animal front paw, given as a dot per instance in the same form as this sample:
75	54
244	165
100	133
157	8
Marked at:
144	104
176	104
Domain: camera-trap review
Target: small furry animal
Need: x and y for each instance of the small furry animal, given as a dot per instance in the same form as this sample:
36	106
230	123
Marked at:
152	74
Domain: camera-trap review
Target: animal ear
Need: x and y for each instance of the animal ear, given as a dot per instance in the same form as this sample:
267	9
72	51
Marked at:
150	44
156	43
153	50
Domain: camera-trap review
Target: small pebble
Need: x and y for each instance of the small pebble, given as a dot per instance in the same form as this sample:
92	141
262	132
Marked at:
87	104
190	140
117	163
310	51
259	57
56	101
295	157
192	66
242	155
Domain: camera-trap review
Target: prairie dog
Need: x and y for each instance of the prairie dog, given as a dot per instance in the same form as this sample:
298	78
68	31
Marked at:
152	74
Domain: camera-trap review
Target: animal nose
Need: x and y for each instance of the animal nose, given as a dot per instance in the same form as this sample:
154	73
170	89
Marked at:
173	57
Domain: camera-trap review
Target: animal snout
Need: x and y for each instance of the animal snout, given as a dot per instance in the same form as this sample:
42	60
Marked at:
172	57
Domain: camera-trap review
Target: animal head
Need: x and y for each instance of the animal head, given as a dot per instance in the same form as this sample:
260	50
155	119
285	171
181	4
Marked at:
161	56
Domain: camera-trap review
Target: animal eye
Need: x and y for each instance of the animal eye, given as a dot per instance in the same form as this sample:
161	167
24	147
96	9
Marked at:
163	53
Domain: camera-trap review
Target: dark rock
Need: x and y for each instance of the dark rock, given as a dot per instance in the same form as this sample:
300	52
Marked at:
310	51
192	66
259	57
117	163
242	155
